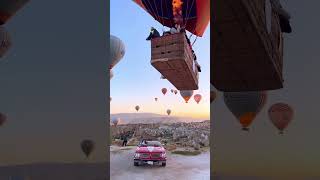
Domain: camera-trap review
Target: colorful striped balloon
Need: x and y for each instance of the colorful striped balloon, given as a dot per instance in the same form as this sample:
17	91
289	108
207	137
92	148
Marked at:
280	114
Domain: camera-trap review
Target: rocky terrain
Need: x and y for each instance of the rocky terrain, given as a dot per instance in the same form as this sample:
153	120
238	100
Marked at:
174	135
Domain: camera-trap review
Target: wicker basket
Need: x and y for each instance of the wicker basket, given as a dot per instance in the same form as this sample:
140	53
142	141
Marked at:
172	57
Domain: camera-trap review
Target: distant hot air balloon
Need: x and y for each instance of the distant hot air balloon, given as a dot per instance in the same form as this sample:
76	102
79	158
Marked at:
280	115
156	99
111	74
168	111
172	91
5	42
197	98
137	108
186	94
164	91
8	8
3	119
87	147
244	106
213	96
175	91
117	50
110	98
115	121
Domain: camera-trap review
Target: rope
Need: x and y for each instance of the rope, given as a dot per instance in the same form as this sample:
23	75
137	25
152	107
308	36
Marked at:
188	14
152	10
194	40
162	17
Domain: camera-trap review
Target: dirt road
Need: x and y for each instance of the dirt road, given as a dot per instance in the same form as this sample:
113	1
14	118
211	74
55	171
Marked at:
178	167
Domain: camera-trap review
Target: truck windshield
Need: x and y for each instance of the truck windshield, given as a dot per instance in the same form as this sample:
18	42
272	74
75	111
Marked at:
151	143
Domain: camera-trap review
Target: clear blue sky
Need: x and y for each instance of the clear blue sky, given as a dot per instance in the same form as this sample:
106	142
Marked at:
135	81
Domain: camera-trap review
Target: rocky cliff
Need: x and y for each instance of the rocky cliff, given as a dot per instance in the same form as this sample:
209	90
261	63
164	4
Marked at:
194	134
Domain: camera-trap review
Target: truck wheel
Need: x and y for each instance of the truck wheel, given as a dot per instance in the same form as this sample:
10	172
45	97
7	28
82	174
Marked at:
136	164
164	164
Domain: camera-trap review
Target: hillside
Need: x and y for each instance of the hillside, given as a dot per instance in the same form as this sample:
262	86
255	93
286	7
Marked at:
150	118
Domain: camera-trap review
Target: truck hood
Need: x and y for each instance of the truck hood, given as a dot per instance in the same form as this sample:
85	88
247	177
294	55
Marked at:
150	149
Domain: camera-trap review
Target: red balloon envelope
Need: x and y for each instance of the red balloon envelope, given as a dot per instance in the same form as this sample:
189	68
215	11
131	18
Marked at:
197	98
195	13
280	115
164	91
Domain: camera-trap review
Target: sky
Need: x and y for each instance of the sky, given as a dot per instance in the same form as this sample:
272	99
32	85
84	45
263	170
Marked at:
136	82
54	83
262	152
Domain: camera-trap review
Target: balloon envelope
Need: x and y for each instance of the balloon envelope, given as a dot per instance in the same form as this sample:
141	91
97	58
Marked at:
244	105
5	41
280	115
195	13
137	108
87	147
168	111
197	98
3	119
186	94
164	91
156	99
175	91
117	50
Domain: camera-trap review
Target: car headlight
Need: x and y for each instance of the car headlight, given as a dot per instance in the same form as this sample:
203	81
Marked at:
137	155
163	155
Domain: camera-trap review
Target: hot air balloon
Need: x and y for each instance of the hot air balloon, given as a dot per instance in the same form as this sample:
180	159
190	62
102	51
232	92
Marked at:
5	42
110	98
186	94
117	50
280	115
156	99
3	119
137	108
175	91
194	16
197	98
164	91
212	96
115	120
244	106
87	147
168	111
172	91
111	74
8	8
